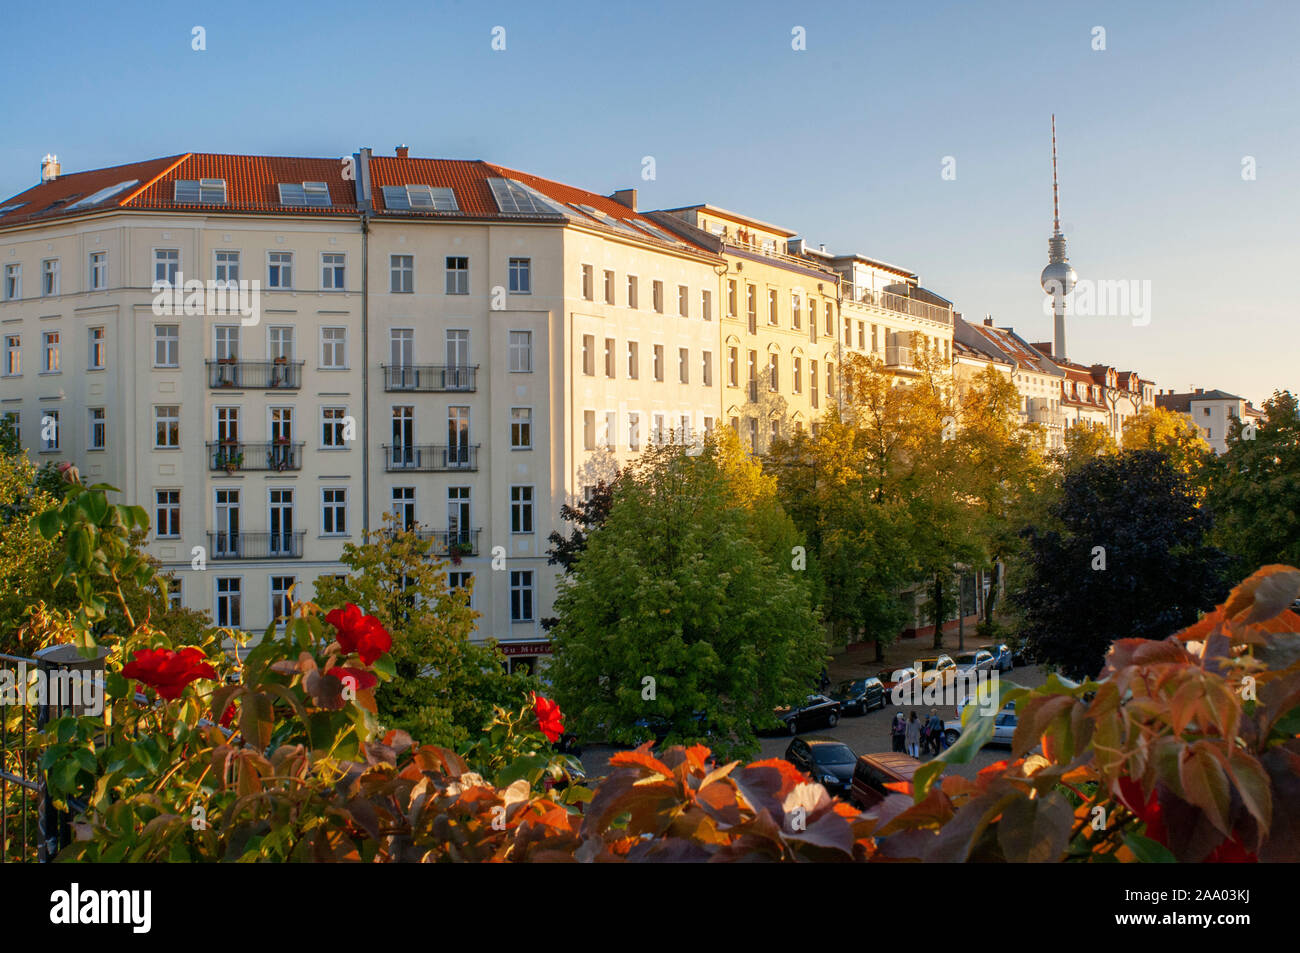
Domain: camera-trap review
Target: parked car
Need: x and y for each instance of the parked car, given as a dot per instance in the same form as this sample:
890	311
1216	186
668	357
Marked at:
1004	727
1020	654
1003	658
658	727
860	696
873	771
828	760
817	710
981	660
899	676
933	663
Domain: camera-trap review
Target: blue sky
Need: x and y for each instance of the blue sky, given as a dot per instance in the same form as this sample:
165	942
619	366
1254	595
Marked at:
843	142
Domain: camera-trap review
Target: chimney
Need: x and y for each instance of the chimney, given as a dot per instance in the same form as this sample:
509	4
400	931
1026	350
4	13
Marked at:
1200	390
988	320
403	152
822	246
625	197
50	168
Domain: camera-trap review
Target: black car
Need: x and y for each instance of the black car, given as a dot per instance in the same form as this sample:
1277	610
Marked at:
659	727
827	760
860	696
816	710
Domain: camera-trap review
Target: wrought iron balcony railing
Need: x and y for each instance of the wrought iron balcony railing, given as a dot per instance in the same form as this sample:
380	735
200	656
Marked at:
256	545
274	455
452	542
430	458
430	377
255	375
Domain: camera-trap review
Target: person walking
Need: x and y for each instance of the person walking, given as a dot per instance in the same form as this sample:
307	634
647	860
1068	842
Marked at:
936	731
913	735
897	728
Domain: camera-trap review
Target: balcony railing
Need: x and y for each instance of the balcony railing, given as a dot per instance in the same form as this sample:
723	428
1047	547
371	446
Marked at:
898	304
255	375
430	458
899	357
255	545
452	542
430	377
224	455
768	250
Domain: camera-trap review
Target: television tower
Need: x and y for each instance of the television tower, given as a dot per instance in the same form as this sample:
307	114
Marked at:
1058	278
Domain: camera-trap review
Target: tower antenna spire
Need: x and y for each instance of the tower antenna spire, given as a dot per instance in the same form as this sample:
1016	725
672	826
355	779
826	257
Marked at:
1056	206
1058	278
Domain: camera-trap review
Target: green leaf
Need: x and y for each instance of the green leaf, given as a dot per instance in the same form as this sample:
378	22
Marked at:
1148	851
385	667
48	523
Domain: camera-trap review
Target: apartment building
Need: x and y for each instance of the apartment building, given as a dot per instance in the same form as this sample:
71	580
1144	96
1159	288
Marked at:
1037	379
458	344
1213	412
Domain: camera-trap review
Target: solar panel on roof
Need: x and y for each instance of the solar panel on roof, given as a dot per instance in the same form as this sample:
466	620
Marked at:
102	195
515	198
311	194
5	209
420	197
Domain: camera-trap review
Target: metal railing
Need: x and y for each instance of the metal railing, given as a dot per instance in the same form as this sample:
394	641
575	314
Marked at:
256	545
897	304
430	377
452	542
274	455
255	375
430	457
897	356
768	250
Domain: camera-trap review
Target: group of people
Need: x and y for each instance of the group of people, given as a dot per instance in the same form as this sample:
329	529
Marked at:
914	736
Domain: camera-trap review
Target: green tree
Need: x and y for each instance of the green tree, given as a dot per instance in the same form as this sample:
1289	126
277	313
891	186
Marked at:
1157	428
1128	557
679	609
446	685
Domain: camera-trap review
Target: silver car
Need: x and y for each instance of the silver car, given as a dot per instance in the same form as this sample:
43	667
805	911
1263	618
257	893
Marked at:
1004	727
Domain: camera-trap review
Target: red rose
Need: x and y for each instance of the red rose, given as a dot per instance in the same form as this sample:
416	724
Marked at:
361	679
549	717
360	633
168	672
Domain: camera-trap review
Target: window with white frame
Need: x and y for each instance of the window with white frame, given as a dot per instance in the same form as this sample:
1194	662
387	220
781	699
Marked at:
609	358
521	509
657	430
462	581
167	427
166	263
403	506
706	305
521	428
229	609
521	352
280	341
50	427
632	288
659	362
401	274
50	362
633	360
279	270
98	271
589	430
588	283
13	365
167	514
49	277
13	286
684	365
609	287
333	348
333	429
333	272
334	511
634	431
281	606
226	268
588	358
457	281
683	301
521	595
166	345
96	349
657	296
96	429
521	276
706	368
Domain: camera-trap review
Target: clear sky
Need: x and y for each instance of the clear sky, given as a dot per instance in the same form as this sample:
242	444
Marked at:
844	141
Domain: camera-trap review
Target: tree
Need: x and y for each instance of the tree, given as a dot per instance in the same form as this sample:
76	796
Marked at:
1084	442
1130	559
1255	488
446	684
1157	428
679	609
586	516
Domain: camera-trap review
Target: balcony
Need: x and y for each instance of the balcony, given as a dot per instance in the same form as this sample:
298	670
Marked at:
430	378
430	458
899	357
255	545
449	542
897	304
275	456
254	375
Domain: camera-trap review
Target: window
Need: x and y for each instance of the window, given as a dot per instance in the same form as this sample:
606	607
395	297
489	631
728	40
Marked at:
279	270
334	511
13	355
458	436
812	319
812	383
589	430
776	430
521	509
706	368
862	335
333	272
875	338
312	194
634	431
166	263
98	271
798	375
428	198
830	379
731	299
200	191
333	348
458	514
684	365
588	283
401	274
166	345
167	514
13	287
333	428
796	318
167	427
733	367
657	296
227	341
280	341
281	605
521	595
521	428
403	498
659	362
751	362
609	358
229	608
49	277
96	349
633	360
588	358
751	307
706	305
96	432
657	429
521	352
50	352
226	268
830	319
610	437
771	307
753	433
708	426
773	373
401	346
609	287
521	276
632	291
457	275
684	301
50	427
227	424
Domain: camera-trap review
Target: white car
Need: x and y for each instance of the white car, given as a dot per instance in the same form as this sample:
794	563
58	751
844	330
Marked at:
1004	727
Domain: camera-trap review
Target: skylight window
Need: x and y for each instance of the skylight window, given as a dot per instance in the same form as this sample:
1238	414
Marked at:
515	198
420	197
311	194
6	209
201	191
103	195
